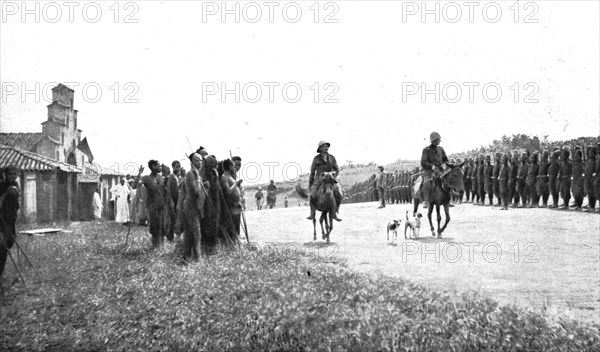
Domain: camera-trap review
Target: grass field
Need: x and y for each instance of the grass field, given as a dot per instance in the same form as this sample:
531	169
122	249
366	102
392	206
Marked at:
274	295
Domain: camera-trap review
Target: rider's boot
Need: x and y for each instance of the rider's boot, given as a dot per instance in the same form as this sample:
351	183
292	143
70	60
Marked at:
335	217
312	213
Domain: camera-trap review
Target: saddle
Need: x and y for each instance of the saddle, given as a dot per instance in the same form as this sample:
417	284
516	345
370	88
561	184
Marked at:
418	185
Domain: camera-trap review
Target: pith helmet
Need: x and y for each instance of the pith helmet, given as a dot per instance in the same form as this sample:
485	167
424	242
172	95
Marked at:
321	143
433	136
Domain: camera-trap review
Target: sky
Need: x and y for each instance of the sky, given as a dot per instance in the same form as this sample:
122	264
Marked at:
500	68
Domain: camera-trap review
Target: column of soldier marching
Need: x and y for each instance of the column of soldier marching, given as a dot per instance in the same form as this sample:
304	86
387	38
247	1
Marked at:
530	179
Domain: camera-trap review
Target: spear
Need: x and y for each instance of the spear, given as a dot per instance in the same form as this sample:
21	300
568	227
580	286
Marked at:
18	272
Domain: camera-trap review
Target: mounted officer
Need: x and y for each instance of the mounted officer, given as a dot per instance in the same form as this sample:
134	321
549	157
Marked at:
432	159
323	162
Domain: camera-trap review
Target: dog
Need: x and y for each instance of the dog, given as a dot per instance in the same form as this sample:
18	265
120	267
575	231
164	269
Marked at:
393	226
414	224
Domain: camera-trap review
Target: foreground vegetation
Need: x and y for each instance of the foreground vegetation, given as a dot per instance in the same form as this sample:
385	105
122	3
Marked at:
99	295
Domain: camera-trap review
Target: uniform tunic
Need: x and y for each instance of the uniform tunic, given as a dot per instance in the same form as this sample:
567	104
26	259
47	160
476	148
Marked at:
590	170
488	174
577	182
542	178
495	176
503	177
521	176
566	172
553	181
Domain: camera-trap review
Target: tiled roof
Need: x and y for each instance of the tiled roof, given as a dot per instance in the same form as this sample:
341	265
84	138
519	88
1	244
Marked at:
28	161
25	141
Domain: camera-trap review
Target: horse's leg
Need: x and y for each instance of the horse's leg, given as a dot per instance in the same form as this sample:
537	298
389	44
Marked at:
429	212
314	220
416	206
439	219
329	223
321	219
447	211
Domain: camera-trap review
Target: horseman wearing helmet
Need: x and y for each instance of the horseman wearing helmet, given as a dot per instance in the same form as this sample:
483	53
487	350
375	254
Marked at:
323	162
432	159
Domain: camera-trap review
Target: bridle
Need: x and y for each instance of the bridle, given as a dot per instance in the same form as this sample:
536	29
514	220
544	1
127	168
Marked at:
445	185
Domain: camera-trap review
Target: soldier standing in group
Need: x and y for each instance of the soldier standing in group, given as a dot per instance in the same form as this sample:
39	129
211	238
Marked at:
475	181
577	183
453	197
410	183
487	181
396	189
468	179
532	174
590	174
388	187
553	179
380	185
503	177
513	179
462	192
521	176
565	173
481	180
403	186
542	179
495	175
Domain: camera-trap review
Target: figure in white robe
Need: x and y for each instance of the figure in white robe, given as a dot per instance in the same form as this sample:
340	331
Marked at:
97	206
120	192
132	202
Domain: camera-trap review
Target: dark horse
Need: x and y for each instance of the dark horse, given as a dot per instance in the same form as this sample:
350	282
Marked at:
271	199
450	181
325	202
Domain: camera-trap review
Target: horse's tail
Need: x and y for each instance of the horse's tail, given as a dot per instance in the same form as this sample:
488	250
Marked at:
301	191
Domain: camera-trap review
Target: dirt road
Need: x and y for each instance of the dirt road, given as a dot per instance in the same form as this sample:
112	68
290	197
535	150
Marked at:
542	259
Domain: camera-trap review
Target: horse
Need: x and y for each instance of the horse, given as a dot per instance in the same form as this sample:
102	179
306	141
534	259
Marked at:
271	199
325	202
451	181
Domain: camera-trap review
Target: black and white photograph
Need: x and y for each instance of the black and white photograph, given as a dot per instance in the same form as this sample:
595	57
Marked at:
304	175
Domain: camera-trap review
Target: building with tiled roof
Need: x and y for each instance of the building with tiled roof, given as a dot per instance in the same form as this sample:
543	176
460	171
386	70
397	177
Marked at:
56	180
